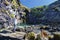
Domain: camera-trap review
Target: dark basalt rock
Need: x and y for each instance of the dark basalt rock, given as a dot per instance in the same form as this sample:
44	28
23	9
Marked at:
8	38
6	31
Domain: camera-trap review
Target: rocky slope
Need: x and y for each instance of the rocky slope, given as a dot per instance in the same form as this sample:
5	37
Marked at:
36	14
52	14
49	15
7	10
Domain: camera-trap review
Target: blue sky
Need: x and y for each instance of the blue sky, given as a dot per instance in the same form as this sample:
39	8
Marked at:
35	3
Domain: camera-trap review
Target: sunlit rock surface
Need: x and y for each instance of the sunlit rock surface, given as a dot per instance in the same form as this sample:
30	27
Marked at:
7	10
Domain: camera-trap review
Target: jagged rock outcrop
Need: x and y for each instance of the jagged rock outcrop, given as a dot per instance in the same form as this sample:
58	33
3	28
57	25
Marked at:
7	10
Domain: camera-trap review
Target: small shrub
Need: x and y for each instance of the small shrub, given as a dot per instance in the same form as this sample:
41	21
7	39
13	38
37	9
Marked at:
31	36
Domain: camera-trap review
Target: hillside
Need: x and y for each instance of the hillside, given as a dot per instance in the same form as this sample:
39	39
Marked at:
52	14
45	14
7	10
34	17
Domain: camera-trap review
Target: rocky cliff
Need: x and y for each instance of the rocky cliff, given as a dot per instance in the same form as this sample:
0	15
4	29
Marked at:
7	10
46	15
52	14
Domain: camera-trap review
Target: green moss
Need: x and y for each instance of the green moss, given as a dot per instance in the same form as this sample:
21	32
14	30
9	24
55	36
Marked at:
12	15
14	2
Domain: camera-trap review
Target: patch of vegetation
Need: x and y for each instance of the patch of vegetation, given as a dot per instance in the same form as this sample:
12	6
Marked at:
31	36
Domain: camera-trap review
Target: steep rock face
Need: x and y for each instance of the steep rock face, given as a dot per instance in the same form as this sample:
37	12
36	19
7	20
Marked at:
34	17
7	10
52	14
